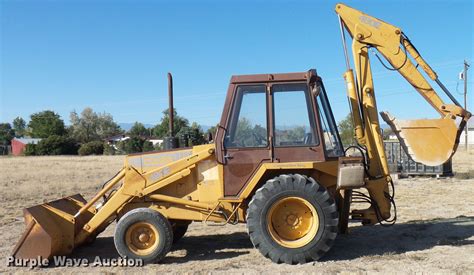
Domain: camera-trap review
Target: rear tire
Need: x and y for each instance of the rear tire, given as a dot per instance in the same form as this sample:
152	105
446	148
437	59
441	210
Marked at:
292	219
143	234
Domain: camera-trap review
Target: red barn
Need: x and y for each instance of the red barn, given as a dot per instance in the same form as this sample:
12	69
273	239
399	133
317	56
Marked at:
19	144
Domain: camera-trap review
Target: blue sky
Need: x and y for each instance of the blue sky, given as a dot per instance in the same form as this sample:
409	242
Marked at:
114	55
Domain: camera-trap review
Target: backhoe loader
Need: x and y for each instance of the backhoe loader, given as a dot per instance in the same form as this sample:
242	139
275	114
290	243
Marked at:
276	164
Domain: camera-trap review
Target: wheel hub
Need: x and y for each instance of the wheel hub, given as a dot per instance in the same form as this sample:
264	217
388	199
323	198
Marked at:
292	222
142	238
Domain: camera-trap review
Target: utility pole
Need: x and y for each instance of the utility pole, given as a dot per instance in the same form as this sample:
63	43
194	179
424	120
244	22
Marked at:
466	66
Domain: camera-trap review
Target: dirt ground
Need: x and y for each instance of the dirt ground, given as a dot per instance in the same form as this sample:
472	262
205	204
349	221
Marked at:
434	232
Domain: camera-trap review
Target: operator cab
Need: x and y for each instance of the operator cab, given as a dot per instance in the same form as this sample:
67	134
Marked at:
274	118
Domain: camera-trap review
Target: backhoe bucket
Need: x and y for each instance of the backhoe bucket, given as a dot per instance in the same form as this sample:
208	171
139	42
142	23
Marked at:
428	141
50	228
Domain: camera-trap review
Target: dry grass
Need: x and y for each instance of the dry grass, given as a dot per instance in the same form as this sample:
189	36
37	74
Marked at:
463	161
23	177
434	233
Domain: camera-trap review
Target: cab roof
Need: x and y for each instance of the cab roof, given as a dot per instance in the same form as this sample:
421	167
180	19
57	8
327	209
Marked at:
309	76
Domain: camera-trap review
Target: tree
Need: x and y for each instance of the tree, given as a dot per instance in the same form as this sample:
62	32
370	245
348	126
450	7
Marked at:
196	134
109	149
91	148
45	124
147	146
346	130
6	133
131	145
162	129
91	126
193	134
56	145
19	125
138	130
30	150
212	131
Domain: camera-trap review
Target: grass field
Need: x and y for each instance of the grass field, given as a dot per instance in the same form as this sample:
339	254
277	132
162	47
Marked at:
434	233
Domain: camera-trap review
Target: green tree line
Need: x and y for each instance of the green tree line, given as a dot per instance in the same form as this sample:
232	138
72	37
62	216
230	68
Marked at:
88	131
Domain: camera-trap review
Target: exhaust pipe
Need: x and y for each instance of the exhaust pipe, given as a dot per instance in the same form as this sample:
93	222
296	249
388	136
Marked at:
170	142
170	109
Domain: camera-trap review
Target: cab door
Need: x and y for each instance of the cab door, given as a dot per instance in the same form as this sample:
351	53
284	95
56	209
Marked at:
246	142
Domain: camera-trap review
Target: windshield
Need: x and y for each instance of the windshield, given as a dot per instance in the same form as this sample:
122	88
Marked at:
332	141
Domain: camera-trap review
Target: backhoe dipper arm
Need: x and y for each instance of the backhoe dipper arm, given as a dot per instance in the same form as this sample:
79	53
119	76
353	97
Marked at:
392	43
430	141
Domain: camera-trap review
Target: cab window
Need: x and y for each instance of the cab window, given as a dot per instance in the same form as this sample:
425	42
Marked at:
248	122
332	141
293	117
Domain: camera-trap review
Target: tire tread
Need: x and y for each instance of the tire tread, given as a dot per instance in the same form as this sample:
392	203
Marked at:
297	183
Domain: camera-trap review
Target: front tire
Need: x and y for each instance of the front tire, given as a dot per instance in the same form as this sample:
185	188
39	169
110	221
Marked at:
292	219
143	234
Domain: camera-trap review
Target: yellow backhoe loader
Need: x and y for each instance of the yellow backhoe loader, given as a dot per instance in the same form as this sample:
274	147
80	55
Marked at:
276	163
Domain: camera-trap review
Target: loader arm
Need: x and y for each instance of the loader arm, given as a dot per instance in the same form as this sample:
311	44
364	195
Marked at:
57	227
429	141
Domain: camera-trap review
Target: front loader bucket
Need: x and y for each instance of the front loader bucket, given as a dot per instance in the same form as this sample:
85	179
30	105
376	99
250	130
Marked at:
429	141
50	228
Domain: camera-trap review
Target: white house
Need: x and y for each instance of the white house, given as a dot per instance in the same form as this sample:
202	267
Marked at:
117	138
470	134
155	141
113	140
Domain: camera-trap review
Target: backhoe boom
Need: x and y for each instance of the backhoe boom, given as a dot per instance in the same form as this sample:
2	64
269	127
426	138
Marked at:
429	141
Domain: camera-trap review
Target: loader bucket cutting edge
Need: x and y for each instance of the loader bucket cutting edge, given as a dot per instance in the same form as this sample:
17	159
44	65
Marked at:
51	228
428	141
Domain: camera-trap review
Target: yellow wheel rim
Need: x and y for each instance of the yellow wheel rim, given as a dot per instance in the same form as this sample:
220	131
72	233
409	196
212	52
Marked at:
292	222
142	238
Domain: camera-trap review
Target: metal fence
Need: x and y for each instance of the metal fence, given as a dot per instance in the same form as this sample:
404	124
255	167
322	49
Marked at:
402	164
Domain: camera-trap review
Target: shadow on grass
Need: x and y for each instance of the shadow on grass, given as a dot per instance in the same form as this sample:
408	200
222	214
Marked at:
204	247
400	238
211	247
360	242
